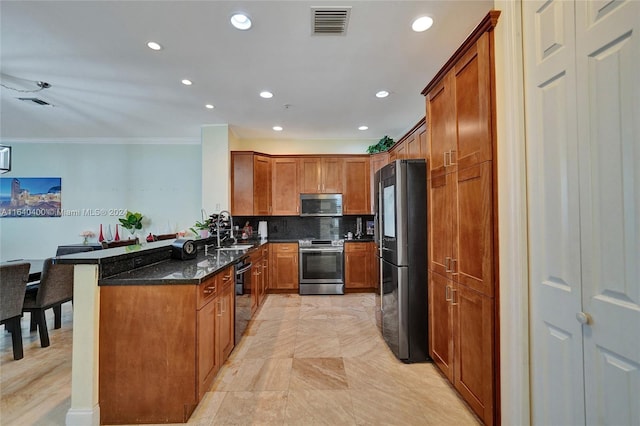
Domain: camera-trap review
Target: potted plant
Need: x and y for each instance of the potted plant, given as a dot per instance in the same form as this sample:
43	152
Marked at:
383	145
201	228
132	222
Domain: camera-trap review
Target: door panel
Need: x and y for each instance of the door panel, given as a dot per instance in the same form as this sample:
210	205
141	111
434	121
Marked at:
473	266
473	319
440	216
285	195
608	63
554	234
440	324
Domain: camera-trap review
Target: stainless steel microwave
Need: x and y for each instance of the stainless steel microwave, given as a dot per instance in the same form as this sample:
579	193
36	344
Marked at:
320	204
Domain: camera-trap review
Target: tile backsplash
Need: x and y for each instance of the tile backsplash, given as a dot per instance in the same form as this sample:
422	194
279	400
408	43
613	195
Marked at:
295	227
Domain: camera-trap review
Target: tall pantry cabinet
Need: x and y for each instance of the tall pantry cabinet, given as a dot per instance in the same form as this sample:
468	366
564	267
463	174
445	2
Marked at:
463	235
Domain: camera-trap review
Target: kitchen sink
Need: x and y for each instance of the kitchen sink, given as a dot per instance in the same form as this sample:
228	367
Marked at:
236	247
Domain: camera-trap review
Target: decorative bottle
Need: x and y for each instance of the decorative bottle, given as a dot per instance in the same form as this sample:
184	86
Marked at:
117	237
101	237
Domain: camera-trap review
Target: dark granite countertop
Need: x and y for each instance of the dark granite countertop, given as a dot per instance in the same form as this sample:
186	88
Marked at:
173	271
151	263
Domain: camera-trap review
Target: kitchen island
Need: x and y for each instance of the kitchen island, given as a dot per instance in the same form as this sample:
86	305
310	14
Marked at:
150	332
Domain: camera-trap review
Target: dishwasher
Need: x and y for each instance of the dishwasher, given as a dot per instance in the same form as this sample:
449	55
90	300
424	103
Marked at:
243	300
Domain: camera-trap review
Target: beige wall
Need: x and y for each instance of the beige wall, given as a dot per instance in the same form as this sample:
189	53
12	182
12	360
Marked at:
315	146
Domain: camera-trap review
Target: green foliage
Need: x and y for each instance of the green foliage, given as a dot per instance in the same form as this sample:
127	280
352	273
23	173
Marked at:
200	226
383	145
131	221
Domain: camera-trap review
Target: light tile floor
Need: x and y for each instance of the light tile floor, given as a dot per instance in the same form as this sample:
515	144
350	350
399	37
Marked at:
310	360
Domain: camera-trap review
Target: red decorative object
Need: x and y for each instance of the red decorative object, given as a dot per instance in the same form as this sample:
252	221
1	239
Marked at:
117	237
101	237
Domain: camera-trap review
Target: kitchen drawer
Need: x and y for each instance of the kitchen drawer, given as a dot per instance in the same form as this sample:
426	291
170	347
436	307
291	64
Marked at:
351	247
225	278
208	290
284	247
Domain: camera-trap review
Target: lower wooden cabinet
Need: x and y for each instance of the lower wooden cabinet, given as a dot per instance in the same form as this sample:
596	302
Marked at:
259	276
359	258
161	347
284	267
461	324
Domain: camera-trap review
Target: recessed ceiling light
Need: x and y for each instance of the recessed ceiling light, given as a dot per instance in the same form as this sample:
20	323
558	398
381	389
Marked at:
266	94
154	46
277	128
422	24
241	21
209	106
363	128
187	82
382	94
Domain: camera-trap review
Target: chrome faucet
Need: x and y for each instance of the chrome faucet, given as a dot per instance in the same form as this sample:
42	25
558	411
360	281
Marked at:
220	222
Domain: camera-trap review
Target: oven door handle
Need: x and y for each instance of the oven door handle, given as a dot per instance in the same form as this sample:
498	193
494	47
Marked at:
319	250
244	269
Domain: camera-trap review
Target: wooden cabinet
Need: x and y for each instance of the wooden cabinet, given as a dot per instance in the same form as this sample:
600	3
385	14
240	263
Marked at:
462	235
225	315
359	258
413	146
356	198
284	267
165	343
442	126
285	188
261	185
461	339
250	184
208	352
473	113
242	183
321	175
473	365
259	276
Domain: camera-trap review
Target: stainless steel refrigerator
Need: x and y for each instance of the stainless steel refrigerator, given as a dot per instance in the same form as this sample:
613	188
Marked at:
401	233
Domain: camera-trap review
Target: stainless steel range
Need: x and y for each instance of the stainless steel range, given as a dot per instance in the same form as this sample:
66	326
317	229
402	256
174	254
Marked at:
321	266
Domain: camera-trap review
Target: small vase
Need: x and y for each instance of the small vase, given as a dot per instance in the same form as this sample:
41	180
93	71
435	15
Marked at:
86	240
117	237
109	234
101	237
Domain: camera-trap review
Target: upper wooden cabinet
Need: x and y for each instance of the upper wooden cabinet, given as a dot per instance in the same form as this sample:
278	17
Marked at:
266	185
321	175
284	190
261	185
356	198
242	183
472	75
442	131
250	184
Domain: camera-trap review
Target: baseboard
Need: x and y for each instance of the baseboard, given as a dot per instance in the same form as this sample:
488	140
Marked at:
83	416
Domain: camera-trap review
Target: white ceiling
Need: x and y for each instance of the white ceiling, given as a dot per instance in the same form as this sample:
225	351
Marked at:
106	83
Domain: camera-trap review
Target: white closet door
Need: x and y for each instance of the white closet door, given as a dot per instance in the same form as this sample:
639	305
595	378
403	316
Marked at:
554	217
608	72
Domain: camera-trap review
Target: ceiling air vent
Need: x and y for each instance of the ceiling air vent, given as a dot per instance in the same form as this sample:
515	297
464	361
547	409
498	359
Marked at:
35	101
330	20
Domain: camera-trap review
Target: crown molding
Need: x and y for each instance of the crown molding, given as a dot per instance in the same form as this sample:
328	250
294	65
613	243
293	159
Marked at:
106	141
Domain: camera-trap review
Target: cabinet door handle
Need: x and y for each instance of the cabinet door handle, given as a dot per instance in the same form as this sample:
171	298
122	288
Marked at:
447	264
209	290
444	156
219	309
318	187
454	266
453	297
447	293
451	163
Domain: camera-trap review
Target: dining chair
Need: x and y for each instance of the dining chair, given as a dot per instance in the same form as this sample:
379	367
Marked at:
119	243
13	282
56	288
